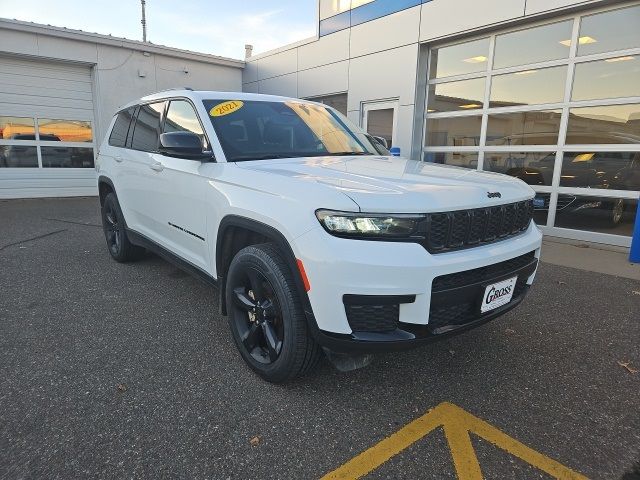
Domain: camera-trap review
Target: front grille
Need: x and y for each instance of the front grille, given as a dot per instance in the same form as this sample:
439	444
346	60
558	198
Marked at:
373	318
482	274
467	228
455	297
461	313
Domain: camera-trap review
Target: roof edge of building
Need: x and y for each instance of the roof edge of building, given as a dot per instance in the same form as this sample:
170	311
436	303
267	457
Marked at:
80	35
284	48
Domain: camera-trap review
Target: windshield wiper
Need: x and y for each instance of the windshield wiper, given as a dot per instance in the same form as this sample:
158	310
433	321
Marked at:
273	156
349	154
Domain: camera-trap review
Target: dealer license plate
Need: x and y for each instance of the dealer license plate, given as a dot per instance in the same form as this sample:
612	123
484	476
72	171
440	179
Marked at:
498	294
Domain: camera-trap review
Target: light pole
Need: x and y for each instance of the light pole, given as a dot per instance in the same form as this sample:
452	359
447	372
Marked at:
144	21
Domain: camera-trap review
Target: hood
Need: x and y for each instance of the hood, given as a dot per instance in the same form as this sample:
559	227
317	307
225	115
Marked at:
397	185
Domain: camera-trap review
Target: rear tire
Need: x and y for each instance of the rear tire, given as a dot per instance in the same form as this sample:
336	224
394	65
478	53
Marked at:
115	232
266	317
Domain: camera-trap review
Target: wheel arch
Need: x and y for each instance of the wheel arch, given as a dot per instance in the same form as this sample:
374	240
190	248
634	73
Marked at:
105	186
235	233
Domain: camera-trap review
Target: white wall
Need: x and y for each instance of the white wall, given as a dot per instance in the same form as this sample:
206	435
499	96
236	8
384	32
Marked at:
538	6
439	19
118	78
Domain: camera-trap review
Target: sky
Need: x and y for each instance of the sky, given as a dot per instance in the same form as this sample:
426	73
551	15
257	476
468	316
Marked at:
219	27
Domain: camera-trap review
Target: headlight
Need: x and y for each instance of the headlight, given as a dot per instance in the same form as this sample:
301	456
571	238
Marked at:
365	225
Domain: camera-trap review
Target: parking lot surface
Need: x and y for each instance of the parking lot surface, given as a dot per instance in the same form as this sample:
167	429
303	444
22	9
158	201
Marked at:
112	371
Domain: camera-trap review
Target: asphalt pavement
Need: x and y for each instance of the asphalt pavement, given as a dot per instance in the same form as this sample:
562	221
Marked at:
127	371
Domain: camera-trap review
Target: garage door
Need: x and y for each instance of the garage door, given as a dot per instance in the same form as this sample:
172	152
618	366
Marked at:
47	139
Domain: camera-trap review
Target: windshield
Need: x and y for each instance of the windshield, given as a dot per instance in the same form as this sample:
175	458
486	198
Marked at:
255	130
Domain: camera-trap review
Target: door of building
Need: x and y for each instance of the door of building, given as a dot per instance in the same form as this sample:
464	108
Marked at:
380	120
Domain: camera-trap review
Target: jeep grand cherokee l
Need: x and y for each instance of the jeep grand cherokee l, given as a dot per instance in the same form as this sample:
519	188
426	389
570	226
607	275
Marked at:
313	238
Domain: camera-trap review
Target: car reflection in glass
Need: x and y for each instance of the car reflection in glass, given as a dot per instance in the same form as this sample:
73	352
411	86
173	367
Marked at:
590	170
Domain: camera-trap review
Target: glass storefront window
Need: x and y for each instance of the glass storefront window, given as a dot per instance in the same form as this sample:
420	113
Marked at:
18	156
17	128
67	157
541	208
463	95
329	8
460	59
597	214
455	132
611	78
533	45
605	124
610	31
610	170
534	168
524	128
64	130
359	3
458	159
528	87
594	144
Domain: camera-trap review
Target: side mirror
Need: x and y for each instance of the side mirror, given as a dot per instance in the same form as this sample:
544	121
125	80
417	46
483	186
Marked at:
382	141
182	144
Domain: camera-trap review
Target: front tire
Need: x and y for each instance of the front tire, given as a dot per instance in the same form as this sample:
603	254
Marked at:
115	233
266	317
617	212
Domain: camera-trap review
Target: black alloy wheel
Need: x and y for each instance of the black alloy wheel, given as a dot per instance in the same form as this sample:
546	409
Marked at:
266	317
115	232
258	317
112	231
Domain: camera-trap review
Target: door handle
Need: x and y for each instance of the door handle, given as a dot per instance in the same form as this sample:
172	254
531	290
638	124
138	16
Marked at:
118	159
157	166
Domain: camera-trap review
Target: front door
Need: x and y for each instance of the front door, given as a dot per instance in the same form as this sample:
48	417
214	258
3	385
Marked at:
178	191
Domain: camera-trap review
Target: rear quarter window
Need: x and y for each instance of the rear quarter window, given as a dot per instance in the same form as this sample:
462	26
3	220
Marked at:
147	127
118	137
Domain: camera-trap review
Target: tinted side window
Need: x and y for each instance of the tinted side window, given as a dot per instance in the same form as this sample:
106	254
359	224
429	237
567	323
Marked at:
118	137
147	129
181	117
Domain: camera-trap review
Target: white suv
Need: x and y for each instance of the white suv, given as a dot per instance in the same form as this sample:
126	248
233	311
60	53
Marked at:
313	234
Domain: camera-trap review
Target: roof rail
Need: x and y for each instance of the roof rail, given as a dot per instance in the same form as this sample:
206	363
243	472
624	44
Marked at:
173	88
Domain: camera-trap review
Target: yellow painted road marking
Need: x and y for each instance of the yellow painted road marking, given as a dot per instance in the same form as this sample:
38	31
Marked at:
457	425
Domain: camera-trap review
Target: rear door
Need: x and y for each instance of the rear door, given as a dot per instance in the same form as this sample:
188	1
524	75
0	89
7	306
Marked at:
140	170
114	154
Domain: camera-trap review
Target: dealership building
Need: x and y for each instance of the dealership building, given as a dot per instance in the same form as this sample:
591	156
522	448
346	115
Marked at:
544	90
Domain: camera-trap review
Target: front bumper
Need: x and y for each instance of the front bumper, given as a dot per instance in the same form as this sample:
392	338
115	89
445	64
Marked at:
342	267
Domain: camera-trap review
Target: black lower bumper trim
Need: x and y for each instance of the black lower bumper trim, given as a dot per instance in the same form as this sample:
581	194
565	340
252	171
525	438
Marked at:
405	337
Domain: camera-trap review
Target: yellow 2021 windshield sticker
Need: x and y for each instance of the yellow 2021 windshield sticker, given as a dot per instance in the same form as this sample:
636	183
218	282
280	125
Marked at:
225	108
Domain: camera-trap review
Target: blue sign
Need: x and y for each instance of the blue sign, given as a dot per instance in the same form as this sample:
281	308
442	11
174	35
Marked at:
634	255
395	151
